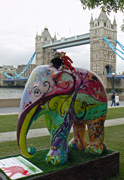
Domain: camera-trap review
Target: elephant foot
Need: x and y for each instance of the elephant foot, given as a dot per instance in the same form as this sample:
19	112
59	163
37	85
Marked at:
57	156
77	145
73	144
95	149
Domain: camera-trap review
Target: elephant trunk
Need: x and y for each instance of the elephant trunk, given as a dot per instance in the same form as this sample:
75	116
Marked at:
24	122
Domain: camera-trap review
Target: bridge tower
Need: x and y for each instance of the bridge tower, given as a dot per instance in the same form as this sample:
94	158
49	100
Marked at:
102	58
43	56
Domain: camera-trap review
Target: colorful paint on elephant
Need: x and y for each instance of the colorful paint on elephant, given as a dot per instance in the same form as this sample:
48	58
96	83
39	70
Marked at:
65	100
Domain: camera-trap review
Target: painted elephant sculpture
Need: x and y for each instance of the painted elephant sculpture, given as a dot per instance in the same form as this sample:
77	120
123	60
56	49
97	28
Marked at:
65	100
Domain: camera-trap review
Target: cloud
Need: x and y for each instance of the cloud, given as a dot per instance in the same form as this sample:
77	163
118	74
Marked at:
15	58
20	20
80	55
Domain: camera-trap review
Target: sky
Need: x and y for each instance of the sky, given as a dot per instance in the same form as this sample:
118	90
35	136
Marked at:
20	20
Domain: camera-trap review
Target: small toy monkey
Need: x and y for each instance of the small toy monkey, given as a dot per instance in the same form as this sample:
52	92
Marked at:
66	62
56	61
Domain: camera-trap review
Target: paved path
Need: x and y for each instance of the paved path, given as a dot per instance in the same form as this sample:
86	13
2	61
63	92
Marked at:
11	136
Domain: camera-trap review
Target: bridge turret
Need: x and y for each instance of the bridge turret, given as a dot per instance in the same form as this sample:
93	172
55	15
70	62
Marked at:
46	35
43	56
115	29
55	38
91	21
102	59
114	22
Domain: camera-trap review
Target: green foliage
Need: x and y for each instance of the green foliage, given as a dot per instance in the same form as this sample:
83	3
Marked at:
122	26
105	5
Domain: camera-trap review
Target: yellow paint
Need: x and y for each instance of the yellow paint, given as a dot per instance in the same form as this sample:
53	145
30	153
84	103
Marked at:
43	107
60	103
22	137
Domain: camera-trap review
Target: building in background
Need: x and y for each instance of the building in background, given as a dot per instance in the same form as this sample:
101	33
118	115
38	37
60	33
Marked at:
28	71
9	70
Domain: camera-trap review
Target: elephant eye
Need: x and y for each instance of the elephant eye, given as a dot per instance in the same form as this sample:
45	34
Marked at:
36	91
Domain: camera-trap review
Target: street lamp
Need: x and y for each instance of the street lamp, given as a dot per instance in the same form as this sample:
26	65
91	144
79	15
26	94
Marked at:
113	76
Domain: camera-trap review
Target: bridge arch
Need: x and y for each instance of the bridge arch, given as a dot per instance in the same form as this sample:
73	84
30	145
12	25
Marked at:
108	69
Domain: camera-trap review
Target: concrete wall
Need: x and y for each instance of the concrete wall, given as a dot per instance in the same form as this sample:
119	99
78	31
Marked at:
9	103
16	102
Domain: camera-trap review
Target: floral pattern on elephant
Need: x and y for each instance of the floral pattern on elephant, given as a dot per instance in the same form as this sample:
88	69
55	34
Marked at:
65	100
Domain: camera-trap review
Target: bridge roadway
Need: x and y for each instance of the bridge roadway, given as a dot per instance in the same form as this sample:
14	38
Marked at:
11	136
68	42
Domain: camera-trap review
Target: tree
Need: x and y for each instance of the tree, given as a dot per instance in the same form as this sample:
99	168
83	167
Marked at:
122	26
105	5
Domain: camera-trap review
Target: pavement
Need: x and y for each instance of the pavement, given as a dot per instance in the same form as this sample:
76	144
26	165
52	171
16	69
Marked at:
11	136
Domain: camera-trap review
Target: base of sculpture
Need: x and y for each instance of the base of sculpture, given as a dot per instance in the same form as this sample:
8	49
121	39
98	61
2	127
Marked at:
97	168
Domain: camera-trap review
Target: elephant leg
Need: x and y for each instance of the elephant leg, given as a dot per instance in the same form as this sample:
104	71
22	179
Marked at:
78	141
58	153
96	136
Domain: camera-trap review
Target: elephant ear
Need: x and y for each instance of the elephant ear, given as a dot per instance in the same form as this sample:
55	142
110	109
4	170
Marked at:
64	83
92	85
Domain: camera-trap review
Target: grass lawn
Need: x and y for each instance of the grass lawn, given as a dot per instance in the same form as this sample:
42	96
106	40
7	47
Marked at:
114	139
9	122
114	113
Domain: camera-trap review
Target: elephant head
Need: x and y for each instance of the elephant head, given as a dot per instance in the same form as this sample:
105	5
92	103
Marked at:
44	84
62	98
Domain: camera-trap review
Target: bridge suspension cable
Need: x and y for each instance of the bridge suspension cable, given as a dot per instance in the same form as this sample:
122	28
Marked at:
114	48
21	76
122	47
23	70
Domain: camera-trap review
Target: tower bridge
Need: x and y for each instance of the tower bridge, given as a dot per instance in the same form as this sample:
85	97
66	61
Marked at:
102	58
